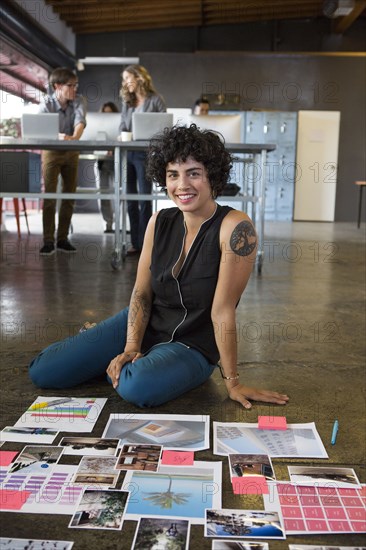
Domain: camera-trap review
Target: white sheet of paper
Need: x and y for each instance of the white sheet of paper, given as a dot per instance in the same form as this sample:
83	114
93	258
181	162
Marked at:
7	543
173	431
75	414
26	434
299	440
50	494
328	476
174	491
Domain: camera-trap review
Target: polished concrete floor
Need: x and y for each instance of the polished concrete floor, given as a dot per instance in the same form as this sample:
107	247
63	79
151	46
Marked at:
301	330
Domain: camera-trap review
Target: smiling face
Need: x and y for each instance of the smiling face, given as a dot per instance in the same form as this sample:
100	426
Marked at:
66	92
130	82
188	186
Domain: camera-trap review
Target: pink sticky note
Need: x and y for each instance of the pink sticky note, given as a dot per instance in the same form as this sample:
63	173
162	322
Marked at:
6	457
250	485
177	458
272	423
13	500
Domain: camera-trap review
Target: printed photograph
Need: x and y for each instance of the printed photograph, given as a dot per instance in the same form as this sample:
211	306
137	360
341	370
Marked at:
238	545
89	446
174	491
100	510
28	435
139	457
36	458
161	534
243	523
251	465
31	544
318	547
324	476
171	431
97	471
299	440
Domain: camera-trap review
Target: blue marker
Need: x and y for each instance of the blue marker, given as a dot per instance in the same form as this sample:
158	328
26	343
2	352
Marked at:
334	432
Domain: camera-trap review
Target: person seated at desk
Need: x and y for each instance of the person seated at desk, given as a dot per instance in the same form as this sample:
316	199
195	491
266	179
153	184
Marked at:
195	263
201	106
138	95
106	177
72	121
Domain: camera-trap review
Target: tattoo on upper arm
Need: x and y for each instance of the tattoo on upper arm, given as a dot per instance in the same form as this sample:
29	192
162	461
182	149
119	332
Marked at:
243	239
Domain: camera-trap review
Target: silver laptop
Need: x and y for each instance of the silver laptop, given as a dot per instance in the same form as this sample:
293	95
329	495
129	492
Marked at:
101	127
40	126
145	125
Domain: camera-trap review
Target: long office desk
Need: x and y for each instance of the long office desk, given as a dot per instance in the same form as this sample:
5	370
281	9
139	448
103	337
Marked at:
258	153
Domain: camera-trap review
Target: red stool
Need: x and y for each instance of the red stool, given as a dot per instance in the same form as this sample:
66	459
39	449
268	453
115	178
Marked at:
361	184
16	211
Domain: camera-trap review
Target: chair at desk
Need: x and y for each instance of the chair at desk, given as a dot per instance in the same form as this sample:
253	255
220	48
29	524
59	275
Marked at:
16	212
361	185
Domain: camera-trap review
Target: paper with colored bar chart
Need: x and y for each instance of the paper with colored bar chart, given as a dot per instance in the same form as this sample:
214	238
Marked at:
38	492
66	414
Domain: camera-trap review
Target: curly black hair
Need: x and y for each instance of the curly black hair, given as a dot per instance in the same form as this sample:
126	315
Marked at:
179	143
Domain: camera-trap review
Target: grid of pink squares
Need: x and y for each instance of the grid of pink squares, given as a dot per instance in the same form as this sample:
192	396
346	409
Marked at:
322	509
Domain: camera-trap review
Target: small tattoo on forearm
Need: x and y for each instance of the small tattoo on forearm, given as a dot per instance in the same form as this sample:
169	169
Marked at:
243	239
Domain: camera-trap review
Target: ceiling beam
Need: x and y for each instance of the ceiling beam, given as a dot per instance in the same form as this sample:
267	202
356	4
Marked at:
95	14
341	24
98	27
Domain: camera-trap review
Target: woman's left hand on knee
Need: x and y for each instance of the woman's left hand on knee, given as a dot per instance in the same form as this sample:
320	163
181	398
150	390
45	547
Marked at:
116	365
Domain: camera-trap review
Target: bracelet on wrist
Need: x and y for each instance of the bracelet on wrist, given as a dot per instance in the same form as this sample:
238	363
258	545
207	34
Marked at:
235	377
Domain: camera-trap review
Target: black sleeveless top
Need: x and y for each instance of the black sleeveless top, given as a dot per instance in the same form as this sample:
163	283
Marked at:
181	307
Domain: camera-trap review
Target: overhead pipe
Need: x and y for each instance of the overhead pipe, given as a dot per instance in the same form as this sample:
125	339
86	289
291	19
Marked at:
18	25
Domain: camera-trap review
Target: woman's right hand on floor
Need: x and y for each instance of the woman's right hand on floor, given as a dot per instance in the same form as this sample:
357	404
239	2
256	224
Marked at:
115	366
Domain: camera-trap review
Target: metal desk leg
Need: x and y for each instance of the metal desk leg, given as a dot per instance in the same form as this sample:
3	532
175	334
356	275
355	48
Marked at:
117	253
261	201
359	207
124	204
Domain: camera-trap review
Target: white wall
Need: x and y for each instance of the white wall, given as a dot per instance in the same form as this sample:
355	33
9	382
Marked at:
50	21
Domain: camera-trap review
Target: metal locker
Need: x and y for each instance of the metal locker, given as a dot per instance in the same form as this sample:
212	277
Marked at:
287	125
254	127
270	202
284	201
270	127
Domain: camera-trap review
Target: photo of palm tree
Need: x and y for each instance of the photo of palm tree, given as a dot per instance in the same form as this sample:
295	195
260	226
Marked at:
162	534
166	499
183	492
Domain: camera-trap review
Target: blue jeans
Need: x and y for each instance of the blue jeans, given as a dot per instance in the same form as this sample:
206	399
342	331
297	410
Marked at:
164	373
139	212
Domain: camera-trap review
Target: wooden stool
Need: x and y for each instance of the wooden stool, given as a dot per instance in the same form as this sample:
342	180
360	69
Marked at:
16	212
361	185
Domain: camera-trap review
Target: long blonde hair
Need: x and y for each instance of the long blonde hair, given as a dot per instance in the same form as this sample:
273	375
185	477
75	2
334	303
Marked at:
145	84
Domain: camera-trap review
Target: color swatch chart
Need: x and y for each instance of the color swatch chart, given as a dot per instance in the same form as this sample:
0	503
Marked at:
70	410
312	509
39	494
66	414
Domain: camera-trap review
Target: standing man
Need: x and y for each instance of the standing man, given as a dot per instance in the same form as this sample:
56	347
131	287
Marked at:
72	112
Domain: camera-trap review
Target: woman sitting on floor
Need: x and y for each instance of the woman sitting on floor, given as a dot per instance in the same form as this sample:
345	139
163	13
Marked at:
195	263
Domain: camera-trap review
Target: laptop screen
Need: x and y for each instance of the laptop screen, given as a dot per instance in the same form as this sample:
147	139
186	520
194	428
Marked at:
145	125
40	125
101	127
